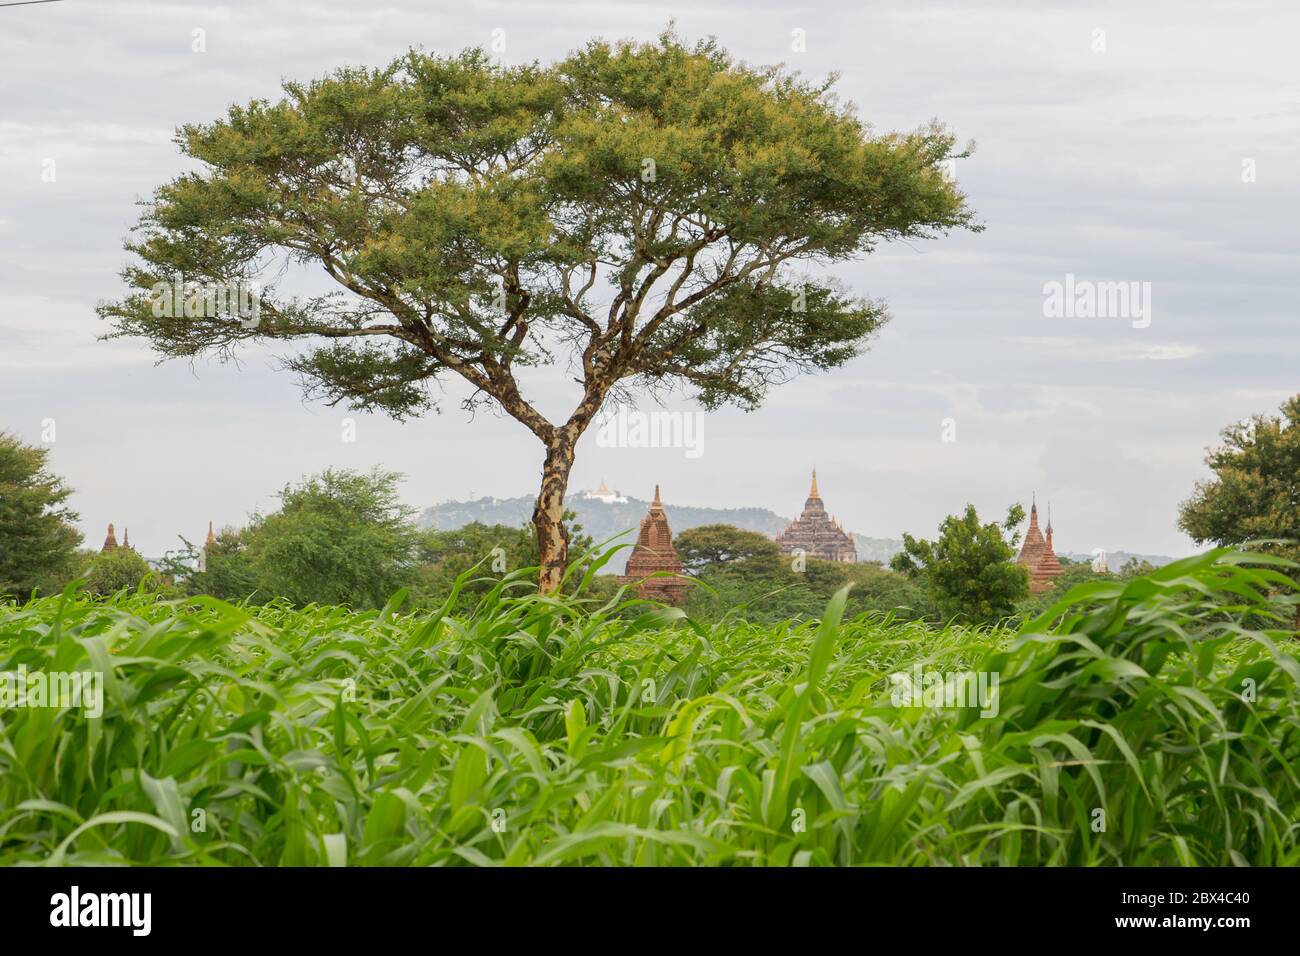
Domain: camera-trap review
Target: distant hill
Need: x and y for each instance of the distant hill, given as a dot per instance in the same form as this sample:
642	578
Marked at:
600	518
1115	559
605	518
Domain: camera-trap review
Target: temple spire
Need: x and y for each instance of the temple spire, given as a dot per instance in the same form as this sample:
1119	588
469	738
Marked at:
211	538
1034	544
654	565
126	538
817	534
110	541
1044	567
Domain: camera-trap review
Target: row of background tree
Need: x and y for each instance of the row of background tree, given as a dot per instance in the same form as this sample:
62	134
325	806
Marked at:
344	537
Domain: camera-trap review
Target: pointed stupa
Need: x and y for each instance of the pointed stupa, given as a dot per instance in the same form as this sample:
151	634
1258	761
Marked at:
110	541
126	539
1033	546
1047	567
814	504
654	552
211	539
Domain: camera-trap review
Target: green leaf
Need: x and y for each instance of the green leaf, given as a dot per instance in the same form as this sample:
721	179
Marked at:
468	777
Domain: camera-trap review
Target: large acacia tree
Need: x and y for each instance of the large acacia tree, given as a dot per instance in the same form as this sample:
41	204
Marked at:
645	212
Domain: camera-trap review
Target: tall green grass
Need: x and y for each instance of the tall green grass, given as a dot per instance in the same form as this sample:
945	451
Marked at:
1157	723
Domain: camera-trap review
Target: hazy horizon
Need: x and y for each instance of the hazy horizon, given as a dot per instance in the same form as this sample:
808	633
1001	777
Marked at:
1125	165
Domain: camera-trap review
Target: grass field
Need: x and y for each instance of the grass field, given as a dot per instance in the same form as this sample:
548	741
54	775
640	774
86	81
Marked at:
1158	723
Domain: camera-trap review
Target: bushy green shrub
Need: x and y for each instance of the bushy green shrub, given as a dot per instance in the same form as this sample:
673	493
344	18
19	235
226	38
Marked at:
112	571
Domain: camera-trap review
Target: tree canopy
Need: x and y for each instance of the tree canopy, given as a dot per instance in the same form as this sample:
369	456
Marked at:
744	572
1255	492
969	569
38	539
116	570
714	545
340	537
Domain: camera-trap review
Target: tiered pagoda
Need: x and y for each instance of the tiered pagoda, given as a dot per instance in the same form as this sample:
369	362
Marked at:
1037	553
654	552
110	540
817	534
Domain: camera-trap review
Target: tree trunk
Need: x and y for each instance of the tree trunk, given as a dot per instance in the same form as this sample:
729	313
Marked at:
548	516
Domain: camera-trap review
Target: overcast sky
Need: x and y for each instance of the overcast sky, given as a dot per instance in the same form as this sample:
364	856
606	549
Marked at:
1127	163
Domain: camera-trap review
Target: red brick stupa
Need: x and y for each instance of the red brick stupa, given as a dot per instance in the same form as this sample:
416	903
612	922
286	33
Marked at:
1037	554
110	541
654	552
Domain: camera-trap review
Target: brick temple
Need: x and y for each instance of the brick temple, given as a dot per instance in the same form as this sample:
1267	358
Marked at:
654	552
110	540
817	534
1037	553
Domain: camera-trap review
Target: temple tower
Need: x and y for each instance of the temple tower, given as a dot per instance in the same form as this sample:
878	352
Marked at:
1037	553
1034	544
817	534
654	552
1047	568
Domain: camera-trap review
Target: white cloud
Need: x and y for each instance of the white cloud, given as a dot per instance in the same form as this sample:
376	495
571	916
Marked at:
42	335
1085	350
